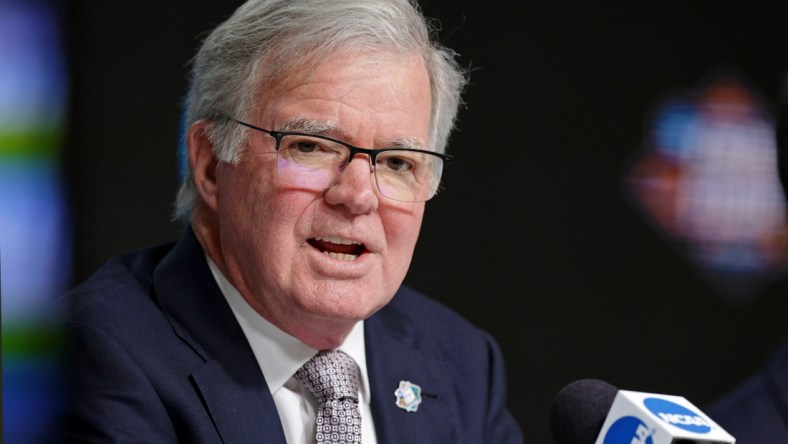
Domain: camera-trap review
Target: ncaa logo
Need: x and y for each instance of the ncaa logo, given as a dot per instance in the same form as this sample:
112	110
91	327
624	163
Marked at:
629	430
677	415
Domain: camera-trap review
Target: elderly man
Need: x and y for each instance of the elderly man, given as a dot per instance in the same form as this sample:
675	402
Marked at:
279	316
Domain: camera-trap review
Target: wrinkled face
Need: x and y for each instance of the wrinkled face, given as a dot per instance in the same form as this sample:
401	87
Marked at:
337	254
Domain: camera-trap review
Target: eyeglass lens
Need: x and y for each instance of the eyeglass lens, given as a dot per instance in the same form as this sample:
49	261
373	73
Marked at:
313	162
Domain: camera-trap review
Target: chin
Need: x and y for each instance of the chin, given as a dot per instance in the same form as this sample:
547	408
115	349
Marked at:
346	305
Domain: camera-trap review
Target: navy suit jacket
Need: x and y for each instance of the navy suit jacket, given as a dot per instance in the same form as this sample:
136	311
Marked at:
156	355
756	412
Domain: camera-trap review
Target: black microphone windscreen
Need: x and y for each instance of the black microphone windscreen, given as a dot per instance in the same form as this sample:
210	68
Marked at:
579	411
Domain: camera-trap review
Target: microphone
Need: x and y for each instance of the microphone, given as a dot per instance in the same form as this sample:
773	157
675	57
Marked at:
590	411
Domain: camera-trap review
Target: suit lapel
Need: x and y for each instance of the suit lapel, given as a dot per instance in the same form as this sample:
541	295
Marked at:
229	392
394	354
230	383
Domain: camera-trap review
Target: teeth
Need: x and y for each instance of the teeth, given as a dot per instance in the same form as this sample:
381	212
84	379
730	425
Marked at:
338	240
341	256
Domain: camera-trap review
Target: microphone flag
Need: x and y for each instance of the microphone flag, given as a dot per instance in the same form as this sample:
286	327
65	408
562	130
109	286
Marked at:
647	418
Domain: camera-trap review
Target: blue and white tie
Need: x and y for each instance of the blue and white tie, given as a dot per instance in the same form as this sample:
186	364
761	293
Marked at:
333	377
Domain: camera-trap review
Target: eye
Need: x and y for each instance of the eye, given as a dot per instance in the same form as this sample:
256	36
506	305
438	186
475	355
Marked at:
396	163
313	151
305	146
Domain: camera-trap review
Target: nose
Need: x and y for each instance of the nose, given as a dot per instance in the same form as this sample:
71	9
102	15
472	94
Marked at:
354	187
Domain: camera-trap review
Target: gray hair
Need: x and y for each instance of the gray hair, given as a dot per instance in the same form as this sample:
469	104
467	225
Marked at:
265	38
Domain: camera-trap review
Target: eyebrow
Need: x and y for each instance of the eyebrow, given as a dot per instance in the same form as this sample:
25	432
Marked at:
407	142
301	124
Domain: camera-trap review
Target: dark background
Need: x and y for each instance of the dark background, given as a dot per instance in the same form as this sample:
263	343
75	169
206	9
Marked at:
533	238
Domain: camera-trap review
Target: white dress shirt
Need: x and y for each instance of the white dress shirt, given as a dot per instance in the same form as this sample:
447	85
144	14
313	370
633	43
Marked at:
280	355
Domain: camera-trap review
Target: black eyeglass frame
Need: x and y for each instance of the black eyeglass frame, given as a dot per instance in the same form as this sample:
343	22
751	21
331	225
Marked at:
372	153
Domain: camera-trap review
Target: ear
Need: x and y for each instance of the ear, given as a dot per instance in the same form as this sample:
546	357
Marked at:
203	163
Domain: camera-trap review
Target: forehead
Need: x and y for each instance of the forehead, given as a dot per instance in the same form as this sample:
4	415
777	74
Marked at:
352	92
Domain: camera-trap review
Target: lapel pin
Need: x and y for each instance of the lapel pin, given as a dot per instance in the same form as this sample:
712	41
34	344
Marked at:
408	396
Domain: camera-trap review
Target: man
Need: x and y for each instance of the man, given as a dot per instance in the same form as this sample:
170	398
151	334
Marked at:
756	412
285	289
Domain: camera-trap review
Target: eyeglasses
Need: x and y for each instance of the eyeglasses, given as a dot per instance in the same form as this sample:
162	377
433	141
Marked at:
315	162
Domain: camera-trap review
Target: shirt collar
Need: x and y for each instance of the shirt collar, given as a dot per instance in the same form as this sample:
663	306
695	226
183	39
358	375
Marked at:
278	354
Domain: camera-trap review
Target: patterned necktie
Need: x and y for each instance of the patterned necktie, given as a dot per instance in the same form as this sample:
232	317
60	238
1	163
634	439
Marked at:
333	377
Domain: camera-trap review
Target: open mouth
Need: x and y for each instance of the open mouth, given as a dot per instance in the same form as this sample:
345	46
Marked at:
338	248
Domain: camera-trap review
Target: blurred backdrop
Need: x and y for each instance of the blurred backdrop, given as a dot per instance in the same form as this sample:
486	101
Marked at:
614	211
